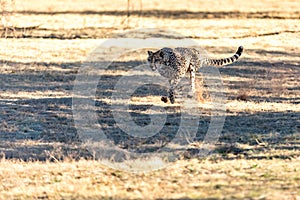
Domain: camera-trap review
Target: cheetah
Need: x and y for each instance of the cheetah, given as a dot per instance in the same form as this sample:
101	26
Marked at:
174	64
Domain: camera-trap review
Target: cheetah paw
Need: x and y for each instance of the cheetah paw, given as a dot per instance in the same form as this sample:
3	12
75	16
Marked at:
164	99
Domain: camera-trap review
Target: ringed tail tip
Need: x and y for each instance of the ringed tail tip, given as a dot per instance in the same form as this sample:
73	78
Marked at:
240	50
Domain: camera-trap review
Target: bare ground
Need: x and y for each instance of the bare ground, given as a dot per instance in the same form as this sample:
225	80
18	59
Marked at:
43	47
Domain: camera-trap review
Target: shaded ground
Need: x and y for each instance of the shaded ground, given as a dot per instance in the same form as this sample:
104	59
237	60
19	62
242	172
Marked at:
36	105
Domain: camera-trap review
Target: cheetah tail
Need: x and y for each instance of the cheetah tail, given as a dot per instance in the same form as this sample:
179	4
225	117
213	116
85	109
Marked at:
224	61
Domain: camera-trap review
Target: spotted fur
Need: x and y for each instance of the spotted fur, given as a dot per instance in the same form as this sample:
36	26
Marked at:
173	64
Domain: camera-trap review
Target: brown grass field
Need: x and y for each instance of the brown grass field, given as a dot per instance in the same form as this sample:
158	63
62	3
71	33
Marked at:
43	44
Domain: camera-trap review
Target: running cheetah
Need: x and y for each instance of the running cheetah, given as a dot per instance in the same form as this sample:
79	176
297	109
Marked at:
173	64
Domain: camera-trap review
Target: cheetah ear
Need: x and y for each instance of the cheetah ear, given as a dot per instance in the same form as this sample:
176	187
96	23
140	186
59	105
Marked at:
161	54
150	53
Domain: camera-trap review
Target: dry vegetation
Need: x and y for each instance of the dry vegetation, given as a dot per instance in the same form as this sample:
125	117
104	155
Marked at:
43	45
193	179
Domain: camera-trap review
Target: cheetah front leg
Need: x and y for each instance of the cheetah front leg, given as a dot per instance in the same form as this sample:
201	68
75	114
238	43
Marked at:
173	85
165	98
171	93
192	82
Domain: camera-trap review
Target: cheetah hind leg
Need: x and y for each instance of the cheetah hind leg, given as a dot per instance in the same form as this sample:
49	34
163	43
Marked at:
172	96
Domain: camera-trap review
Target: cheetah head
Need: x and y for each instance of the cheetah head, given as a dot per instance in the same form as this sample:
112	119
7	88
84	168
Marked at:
155	59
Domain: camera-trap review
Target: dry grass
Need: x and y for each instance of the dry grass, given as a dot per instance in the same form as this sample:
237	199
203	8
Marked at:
44	44
193	179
